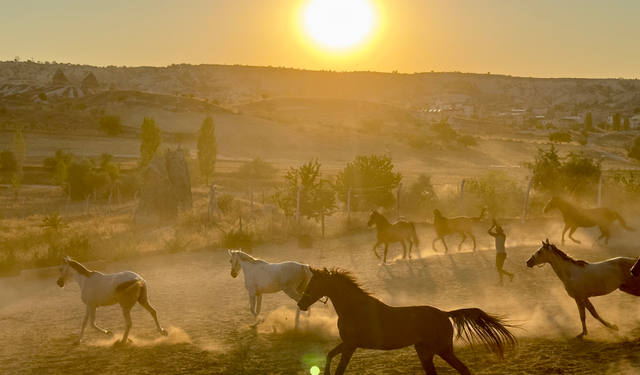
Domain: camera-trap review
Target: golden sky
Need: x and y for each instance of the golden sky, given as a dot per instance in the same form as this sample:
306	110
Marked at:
541	38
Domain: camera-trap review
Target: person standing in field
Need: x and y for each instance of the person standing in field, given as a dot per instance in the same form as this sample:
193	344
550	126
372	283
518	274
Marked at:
501	253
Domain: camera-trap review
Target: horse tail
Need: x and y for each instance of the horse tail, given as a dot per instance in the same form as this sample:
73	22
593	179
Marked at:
129	286
478	218
622	222
476	326
414	235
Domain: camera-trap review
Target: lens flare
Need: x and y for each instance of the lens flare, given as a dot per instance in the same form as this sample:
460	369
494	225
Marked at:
315	370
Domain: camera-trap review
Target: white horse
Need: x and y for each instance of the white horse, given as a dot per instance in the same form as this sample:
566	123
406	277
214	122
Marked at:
583	279
263	277
98	289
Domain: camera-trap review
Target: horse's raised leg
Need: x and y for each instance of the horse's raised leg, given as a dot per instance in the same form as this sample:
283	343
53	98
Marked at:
571	232
433	244
464	238
454	362
347	352
144	302
566	228
92	322
410	246
426	359
593	312
404	249
374	248
604	232
583	318
332	353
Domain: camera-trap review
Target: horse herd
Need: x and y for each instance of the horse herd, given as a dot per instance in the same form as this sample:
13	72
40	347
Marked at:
366	322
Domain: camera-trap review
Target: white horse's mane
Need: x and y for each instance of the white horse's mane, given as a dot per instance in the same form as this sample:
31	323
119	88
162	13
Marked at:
248	258
82	270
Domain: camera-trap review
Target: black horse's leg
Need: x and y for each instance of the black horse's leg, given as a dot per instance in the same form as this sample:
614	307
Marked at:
410	246
404	249
464	238
573	229
433	244
386	248
583	318
334	352
454	362
593	312
566	228
474	240
374	248
446	249
347	352
426	359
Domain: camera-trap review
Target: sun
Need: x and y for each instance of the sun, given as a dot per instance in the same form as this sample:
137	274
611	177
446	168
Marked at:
339	24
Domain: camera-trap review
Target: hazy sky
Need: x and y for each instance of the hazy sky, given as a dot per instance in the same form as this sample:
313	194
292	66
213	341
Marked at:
539	38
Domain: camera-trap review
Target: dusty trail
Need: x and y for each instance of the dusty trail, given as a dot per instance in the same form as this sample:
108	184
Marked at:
206	312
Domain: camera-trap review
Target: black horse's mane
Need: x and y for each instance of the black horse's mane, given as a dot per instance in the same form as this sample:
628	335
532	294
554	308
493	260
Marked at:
342	276
564	256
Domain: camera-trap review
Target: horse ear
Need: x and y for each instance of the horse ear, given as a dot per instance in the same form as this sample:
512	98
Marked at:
66	259
230	252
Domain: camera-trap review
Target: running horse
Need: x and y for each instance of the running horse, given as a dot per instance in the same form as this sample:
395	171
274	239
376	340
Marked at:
462	225
388	233
583	280
576	217
98	289
366	322
262	277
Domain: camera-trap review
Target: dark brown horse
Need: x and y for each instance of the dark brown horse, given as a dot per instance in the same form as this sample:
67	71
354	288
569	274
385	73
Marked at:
388	233
365	322
462	225
576	217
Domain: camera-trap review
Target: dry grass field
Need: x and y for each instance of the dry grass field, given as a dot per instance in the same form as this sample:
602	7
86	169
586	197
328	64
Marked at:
207	313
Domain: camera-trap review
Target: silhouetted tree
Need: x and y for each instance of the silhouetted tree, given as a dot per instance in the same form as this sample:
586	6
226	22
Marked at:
151	140
588	122
207	148
371	179
626	124
616	125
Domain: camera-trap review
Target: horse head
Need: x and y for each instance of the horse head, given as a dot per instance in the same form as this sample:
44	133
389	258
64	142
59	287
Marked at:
65	272
541	256
553	203
235	263
373	219
316	288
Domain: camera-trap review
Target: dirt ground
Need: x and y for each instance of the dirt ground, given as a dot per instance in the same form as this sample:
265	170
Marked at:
207	314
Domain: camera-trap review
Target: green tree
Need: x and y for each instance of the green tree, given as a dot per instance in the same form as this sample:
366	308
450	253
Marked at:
616	125
588	122
575	174
626	124
107	166
495	190
316	200
207	148
371	179
420	197
151	140
257	168
111	125
83	178
634	150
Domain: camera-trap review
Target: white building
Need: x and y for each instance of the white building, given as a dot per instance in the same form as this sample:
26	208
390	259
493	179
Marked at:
634	122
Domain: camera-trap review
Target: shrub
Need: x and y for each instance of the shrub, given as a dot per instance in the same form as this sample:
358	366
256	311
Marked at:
256	169
417	142
467	140
236	239
53	223
226	203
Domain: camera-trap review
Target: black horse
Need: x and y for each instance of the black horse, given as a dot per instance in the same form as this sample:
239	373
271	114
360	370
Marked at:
365	322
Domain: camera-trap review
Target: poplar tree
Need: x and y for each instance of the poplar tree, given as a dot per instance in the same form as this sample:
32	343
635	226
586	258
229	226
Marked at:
151	140
207	148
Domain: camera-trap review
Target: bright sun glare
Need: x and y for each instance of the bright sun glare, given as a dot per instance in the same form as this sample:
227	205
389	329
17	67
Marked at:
339	23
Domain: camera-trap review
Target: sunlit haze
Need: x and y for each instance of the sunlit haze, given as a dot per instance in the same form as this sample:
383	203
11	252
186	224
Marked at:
572	38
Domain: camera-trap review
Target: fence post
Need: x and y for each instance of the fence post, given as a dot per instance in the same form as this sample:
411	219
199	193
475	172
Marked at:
251	197
399	189
462	198
600	190
87	202
213	202
135	196
66	207
24	203
44	205
526	201
349	206
110	194
119	201
298	204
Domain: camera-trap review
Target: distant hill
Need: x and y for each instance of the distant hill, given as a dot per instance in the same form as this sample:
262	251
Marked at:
241	84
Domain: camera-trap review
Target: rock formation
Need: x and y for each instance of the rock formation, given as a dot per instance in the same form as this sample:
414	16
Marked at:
166	189
90	82
59	78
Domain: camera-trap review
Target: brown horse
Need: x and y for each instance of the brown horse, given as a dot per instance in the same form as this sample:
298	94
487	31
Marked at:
388	233
576	217
462	225
366	322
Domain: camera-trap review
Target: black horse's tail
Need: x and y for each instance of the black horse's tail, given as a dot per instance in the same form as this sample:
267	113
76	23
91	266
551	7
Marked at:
622	222
476	326
479	217
414	235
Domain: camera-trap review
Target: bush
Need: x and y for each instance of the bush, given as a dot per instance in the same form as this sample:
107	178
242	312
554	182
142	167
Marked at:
8	162
560	137
236	239
467	140
226	203
420	197
496	191
256	169
83	179
111	125
417	142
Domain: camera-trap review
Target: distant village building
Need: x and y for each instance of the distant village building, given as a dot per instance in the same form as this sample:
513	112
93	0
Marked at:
59	79
634	122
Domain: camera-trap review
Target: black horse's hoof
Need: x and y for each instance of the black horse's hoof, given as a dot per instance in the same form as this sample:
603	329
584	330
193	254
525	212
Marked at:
614	327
